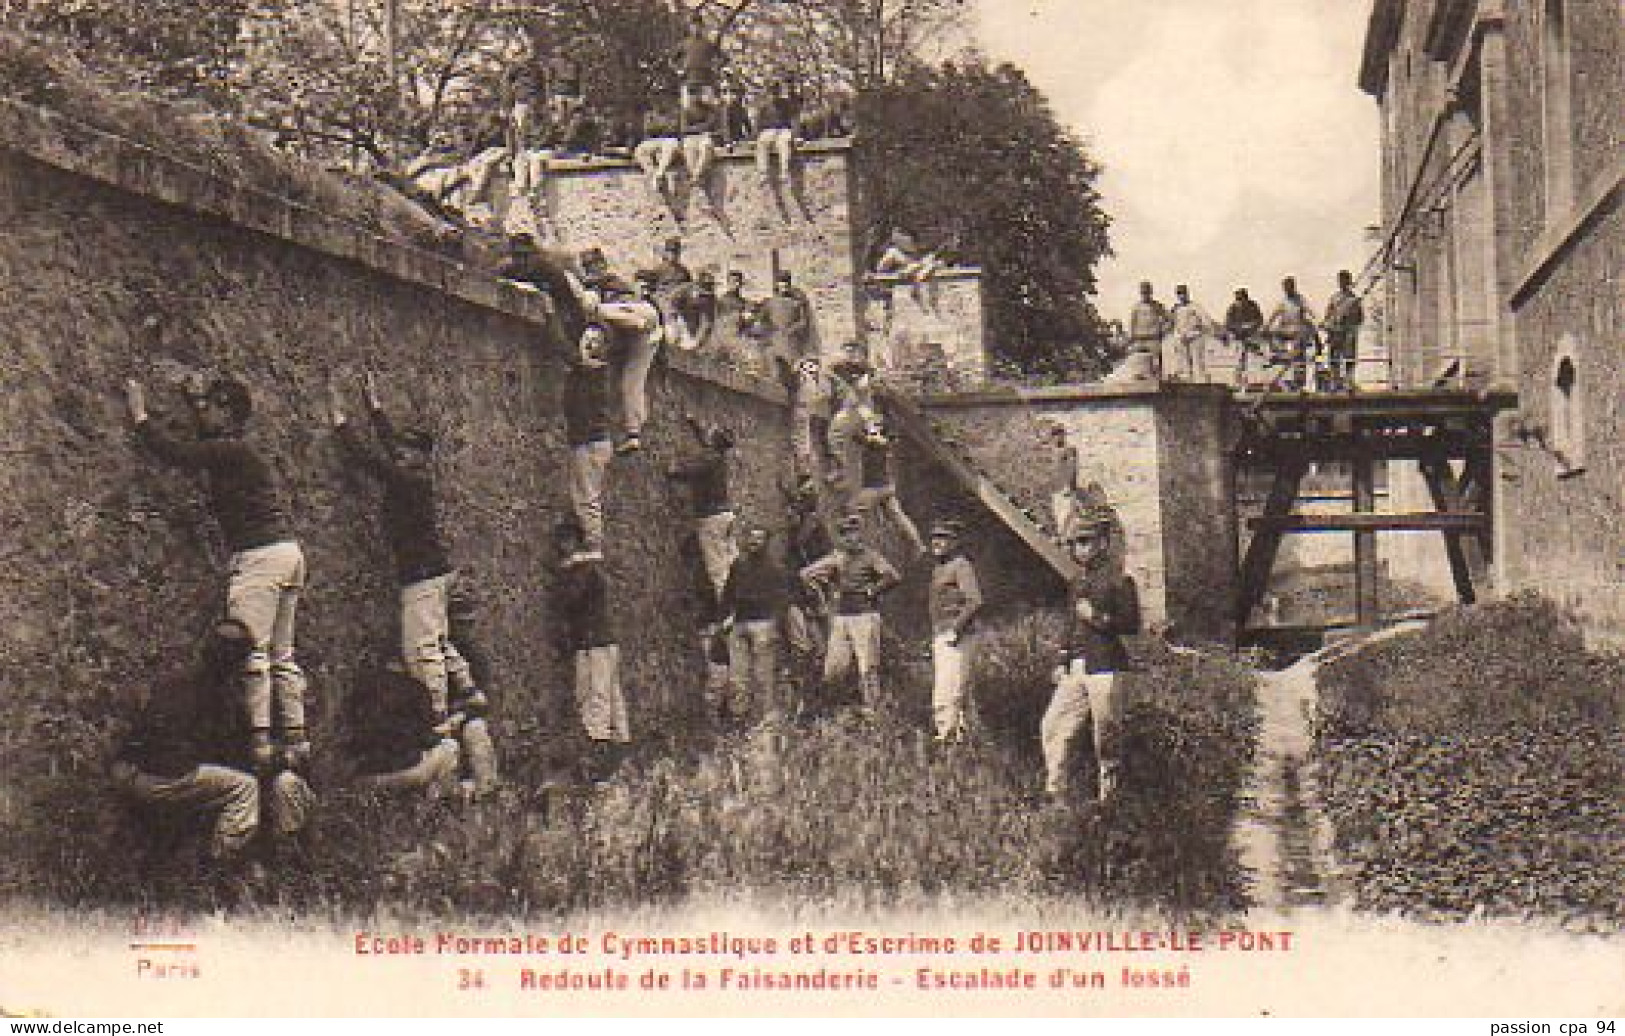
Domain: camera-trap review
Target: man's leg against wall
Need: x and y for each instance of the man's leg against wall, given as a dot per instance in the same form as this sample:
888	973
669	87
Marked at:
697	155
718	549
784	145
764	152
894	507
765	669
287	679
647	156
640	359
480	753
588	465
292	803
422	636
839	655
253	597
436	767
1068	709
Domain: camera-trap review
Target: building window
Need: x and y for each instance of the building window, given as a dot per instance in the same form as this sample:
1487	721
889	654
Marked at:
1567	438
1557	118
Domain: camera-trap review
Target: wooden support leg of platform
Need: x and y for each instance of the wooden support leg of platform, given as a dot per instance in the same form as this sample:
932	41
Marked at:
1266	542
1366	611
1447	499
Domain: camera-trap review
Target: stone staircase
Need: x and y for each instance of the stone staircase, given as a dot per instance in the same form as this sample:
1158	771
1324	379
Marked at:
916	427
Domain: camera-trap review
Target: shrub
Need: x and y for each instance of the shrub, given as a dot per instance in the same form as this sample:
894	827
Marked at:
1479	766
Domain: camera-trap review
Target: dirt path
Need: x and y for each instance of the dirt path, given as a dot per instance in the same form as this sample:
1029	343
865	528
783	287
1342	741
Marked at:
1282	833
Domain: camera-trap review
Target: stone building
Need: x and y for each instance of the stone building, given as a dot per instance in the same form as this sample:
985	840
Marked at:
1502	126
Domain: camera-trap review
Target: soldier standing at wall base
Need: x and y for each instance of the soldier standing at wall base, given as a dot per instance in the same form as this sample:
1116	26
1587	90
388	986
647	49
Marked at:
856	577
267	571
586	635
954	600
1088	682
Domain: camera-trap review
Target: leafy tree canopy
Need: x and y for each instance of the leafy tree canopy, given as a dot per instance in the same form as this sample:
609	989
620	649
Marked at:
970	158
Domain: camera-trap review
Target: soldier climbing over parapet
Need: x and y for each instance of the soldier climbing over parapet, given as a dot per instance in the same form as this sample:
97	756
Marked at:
403	462
266	574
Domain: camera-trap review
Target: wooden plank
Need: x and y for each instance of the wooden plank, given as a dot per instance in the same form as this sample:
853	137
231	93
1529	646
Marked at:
1266	543
1365	545
1441	487
1426	521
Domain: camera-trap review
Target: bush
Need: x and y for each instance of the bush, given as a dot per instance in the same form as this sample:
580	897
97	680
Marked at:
1479	767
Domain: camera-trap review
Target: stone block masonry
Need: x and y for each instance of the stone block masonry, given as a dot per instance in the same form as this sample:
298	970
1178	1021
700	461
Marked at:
1162	459
744	221
940	322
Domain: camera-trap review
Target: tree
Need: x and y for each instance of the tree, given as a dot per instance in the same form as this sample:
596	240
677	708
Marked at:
970	158
180	49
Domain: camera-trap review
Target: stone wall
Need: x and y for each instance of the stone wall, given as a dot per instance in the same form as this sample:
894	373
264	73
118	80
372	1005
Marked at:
1565	536
744	222
113	567
906	323
1160	456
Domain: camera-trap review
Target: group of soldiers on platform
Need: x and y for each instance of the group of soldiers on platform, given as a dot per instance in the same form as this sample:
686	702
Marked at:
1297	351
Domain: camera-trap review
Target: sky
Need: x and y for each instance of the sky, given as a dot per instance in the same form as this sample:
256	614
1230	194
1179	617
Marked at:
1237	147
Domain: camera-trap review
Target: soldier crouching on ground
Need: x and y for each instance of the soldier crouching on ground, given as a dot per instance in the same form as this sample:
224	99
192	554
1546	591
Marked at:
189	756
398	741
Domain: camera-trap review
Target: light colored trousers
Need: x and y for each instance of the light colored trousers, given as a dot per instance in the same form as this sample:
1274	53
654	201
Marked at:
1186	359
436	768
655	157
753	656
697	151
718	549
598	694
589	463
950	670
775	143
262	592
426	645
855	639
1078	697
234	796
638	325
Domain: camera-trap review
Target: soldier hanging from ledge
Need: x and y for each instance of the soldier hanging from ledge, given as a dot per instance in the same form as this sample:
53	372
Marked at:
267	569
403	463
190	755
